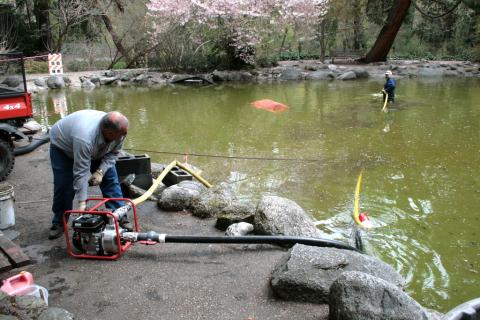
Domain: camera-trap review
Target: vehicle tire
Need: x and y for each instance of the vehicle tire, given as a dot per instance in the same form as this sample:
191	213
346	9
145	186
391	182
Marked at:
7	159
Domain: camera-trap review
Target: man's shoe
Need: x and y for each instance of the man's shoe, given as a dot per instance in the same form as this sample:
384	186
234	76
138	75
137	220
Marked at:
55	231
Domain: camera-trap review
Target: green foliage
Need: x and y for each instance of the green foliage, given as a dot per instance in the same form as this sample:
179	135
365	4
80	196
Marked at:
36	66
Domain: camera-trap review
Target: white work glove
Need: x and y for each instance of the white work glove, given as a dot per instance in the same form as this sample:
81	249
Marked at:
96	178
82	205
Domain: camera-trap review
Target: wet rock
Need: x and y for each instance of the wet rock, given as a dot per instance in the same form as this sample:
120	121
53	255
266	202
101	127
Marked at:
311	67
450	73
291	74
110	74
430	72
157	169
212	201
107	80
281	216
6	303
306	273
56	314
238	211
360	296
231	76
332	67
239	229
12	81
95	80
56	82
88	84
135	192
180	196
320	75
361	73
40	82
349	75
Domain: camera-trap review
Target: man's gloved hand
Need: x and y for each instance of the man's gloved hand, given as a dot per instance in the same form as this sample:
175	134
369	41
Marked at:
82	205
96	178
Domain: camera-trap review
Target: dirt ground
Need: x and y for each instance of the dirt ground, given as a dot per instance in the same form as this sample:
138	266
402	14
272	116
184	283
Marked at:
167	281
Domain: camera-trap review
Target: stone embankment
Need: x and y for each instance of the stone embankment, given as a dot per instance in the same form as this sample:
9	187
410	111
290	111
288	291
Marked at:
286	71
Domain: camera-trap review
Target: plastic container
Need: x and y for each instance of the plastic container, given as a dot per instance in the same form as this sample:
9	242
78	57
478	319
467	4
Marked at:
22	285
18	282
7	210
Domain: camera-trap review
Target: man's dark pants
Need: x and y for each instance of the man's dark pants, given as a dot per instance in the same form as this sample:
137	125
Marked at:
63	192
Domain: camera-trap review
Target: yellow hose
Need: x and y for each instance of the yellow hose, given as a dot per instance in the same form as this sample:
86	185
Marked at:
386	100
160	178
356	207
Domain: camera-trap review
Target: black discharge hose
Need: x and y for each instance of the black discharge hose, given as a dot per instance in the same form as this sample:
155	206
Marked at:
278	240
32	146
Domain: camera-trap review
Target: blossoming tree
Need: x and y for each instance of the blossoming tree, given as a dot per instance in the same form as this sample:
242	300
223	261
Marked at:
239	24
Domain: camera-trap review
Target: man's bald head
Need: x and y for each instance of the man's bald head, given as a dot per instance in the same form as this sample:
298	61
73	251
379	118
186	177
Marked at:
114	125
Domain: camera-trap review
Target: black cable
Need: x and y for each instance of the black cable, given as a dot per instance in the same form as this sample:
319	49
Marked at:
225	157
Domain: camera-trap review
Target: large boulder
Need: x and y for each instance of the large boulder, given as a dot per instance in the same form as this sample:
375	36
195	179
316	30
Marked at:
12	81
320	75
306	273
361	73
281	216
180	196
430	72
291	74
231	76
56	82
237	211
359	296
349	75
40	82
212	201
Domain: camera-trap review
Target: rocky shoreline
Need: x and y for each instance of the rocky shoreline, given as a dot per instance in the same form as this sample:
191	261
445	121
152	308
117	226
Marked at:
286	71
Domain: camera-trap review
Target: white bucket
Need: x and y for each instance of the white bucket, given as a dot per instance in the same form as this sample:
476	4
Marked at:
7	210
33	290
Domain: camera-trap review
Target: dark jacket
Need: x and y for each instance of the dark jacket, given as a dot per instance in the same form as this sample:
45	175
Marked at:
389	87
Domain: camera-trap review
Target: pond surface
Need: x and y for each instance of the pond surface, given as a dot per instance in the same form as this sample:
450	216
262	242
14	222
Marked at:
421	184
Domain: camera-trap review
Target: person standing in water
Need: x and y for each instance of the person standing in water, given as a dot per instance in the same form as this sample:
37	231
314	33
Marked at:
389	87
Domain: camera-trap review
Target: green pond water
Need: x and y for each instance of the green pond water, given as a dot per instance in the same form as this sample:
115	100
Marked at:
421	160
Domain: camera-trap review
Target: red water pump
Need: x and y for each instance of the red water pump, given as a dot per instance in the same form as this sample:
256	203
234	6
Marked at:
98	233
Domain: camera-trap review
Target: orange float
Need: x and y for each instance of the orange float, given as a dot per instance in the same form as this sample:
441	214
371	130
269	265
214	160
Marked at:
269	105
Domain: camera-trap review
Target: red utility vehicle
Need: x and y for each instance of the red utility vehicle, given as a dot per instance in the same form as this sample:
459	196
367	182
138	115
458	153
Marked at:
16	122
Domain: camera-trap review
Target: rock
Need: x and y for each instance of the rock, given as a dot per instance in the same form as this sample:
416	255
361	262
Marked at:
157	169
361	73
306	273
88	84
212	201
310	67
281	216
450	73
135	192
239	229
320	75
56	314
12	81
7	317
231	76
238	211
29	307
291	74
360	296
430	72
6	303
56	82
180	196
107	80
332	67
110	74
95	80
40	82
67	81
349	75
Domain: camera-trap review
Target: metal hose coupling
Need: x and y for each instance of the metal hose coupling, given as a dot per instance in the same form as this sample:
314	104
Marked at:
122	211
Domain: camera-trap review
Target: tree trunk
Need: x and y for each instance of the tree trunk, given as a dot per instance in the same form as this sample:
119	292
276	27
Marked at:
358	37
116	39
388	33
41	10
